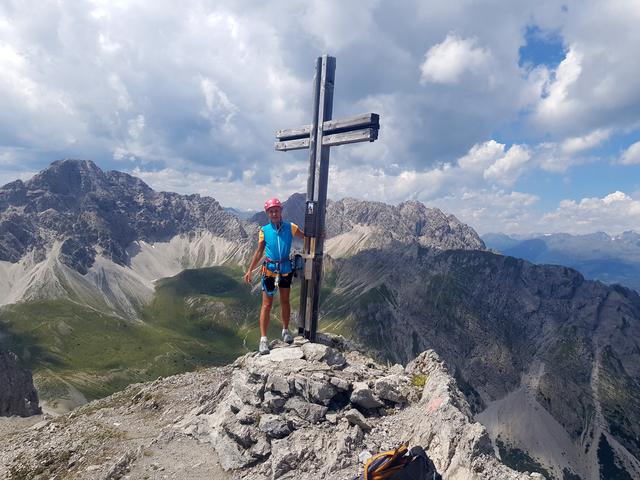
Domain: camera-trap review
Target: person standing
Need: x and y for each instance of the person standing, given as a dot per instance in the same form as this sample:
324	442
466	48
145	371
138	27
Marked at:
274	241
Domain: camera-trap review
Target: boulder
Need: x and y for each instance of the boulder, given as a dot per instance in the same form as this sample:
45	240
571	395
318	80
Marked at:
354	417
393	388
273	402
315	352
249	388
308	411
364	397
278	382
274	426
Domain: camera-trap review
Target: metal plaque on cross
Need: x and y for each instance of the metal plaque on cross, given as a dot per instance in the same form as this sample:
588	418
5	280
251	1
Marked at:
318	137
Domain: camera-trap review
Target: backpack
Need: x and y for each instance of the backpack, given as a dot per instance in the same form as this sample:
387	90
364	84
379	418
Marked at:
400	464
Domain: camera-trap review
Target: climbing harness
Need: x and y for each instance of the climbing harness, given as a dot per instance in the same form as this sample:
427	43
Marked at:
265	269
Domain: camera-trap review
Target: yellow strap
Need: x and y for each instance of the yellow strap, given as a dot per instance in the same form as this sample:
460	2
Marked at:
387	473
398	452
267	272
393	454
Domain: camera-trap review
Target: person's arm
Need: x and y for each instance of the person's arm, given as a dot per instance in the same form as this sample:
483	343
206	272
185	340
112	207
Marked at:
257	256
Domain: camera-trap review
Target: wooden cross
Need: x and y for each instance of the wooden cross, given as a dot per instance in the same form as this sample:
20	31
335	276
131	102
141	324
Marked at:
318	137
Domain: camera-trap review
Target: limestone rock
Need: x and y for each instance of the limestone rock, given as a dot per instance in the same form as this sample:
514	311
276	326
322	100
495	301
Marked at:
281	354
392	388
277	382
275	426
354	417
273	402
315	352
248	387
364	397
306	410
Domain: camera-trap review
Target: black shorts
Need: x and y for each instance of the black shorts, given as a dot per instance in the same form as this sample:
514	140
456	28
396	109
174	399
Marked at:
270	282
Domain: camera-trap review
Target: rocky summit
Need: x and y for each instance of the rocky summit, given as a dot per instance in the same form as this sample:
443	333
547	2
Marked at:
305	411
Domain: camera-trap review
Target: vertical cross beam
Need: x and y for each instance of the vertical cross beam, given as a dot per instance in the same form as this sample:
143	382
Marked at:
317	192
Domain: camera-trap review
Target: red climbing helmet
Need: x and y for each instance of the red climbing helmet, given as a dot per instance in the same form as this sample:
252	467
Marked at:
272	202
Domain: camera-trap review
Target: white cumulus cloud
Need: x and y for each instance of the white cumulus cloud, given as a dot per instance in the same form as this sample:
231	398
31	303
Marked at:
578	144
631	156
557	102
495	163
614	213
446	62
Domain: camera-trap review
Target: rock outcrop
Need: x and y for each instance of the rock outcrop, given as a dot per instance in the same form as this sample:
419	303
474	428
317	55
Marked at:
305	411
18	396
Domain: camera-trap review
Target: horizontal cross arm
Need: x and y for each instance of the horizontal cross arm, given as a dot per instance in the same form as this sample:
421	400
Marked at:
355	136
366	120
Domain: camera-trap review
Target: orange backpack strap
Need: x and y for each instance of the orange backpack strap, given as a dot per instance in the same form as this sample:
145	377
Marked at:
388	468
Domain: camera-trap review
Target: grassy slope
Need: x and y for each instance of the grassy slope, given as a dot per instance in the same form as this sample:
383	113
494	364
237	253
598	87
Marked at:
198	318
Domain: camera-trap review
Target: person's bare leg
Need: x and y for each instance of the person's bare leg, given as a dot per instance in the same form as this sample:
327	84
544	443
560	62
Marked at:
265	313
285	307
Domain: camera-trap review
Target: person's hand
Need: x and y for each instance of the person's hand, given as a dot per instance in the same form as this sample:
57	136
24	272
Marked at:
247	277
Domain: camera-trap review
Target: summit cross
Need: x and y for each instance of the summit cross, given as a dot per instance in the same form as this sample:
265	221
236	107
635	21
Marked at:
318	137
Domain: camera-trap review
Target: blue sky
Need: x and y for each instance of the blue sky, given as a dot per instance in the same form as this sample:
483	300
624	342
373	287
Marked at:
514	117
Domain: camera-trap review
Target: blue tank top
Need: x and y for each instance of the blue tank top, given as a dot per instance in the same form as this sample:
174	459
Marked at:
278	247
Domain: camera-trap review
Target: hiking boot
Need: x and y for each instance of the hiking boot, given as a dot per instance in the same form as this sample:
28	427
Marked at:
287	337
263	348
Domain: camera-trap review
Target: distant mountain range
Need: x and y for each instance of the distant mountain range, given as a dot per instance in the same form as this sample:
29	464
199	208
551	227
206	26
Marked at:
241	214
106	282
598	256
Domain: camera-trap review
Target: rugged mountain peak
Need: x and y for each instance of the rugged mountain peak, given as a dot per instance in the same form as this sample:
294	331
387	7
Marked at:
69	177
17	395
305	411
91	211
371	224
407	223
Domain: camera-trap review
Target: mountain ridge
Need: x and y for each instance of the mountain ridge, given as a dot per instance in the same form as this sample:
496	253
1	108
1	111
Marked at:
599	256
75	231
504	325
